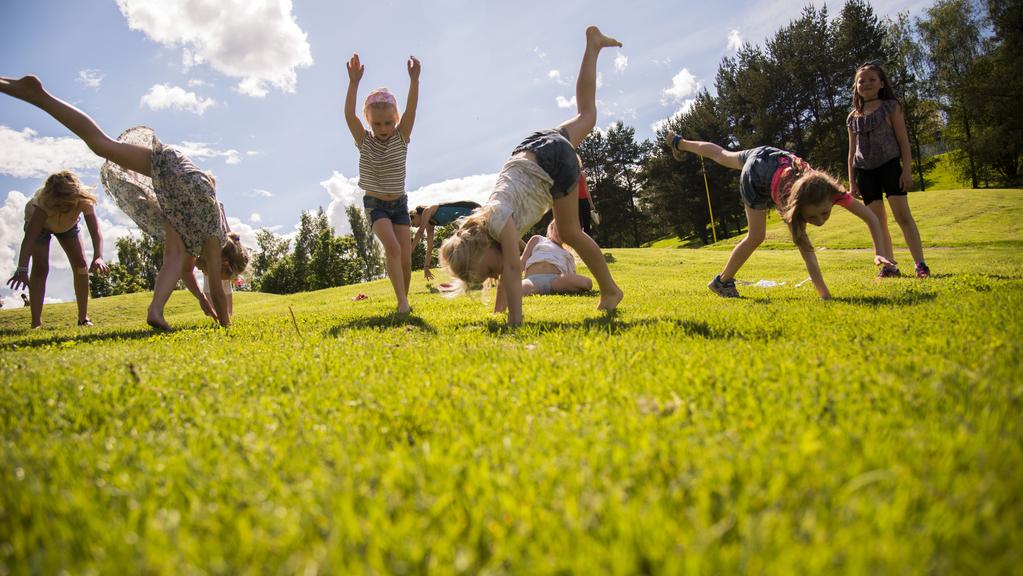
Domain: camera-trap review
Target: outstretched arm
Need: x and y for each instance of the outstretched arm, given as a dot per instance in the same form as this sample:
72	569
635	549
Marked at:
98	265
188	279
408	119
876	234
510	286
854	189
19	280
810	258
355	70
211	251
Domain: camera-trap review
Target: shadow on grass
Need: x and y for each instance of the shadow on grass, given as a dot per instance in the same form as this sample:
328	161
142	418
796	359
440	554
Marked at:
908	299
40	341
409	322
613	325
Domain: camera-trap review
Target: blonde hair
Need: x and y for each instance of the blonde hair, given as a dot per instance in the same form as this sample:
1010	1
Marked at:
233	255
63	192
812	187
460	253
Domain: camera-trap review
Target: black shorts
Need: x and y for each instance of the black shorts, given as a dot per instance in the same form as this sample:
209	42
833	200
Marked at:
555	154
881	180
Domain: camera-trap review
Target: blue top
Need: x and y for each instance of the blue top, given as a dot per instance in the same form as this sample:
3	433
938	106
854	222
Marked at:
448	213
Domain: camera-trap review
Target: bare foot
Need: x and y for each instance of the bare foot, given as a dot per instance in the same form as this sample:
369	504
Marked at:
594	37
609	301
24	88
157	322
404	310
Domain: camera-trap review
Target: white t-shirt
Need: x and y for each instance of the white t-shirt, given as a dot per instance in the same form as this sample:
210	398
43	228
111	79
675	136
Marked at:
523	189
547	251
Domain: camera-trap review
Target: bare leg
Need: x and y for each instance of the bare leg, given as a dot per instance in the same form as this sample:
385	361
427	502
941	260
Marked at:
80	271
385	231
166	278
129	156
726	158
900	209
37	280
405	244
757	220
566	214
571	284
877	207
586	87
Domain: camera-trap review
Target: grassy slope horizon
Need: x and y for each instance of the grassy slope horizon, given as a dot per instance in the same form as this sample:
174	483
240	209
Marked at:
879	432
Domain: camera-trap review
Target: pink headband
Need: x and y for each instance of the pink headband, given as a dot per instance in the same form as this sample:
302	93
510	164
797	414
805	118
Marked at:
381	95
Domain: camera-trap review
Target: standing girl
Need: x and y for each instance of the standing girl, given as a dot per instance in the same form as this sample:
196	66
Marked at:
880	162
543	171
162	191
382	153
773	177
54	211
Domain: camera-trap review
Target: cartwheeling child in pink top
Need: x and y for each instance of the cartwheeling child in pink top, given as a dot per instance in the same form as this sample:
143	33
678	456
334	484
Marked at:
773	177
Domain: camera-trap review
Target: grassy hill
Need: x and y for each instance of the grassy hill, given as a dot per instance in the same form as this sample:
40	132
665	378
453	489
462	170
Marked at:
776	434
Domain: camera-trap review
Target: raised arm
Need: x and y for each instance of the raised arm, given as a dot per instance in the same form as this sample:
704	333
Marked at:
408	119
510	287
355	70
98	265
902	135
876	235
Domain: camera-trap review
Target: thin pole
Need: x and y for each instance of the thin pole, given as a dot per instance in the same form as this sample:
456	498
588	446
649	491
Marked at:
713	228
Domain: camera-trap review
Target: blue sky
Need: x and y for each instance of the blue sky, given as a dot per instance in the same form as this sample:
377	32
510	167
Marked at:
253	89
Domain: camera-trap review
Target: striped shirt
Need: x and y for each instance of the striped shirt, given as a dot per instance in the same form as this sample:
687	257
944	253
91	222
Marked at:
382	166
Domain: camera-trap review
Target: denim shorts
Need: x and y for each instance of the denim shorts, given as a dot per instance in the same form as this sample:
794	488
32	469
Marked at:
555	154
44	234
542	282
394	210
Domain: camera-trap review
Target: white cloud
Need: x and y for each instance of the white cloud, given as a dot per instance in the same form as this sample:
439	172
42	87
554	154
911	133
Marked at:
566	102
165	96
557	77
662	61
257	41
344	192
621	62
196	82
255	218
683	86
683	109
259	192
734	40
203	151
90	78
27	155
600	80
475	188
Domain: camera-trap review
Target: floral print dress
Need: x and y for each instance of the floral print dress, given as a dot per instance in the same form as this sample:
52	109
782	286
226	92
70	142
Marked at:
179	193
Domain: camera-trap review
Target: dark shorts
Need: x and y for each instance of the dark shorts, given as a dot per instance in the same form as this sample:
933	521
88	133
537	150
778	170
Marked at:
394	210
881	180
555	154
44	234
758	167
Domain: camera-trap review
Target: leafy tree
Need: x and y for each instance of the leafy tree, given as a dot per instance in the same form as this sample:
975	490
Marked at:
366	244
271	249
612	162
951	33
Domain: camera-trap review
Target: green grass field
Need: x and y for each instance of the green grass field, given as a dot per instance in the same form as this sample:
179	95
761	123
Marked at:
880	433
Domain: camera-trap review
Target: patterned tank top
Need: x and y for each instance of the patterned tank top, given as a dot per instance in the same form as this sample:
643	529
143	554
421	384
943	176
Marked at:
382	166
875	138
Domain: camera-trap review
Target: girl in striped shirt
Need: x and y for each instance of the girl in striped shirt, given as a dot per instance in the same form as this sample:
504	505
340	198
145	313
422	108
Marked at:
382	154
